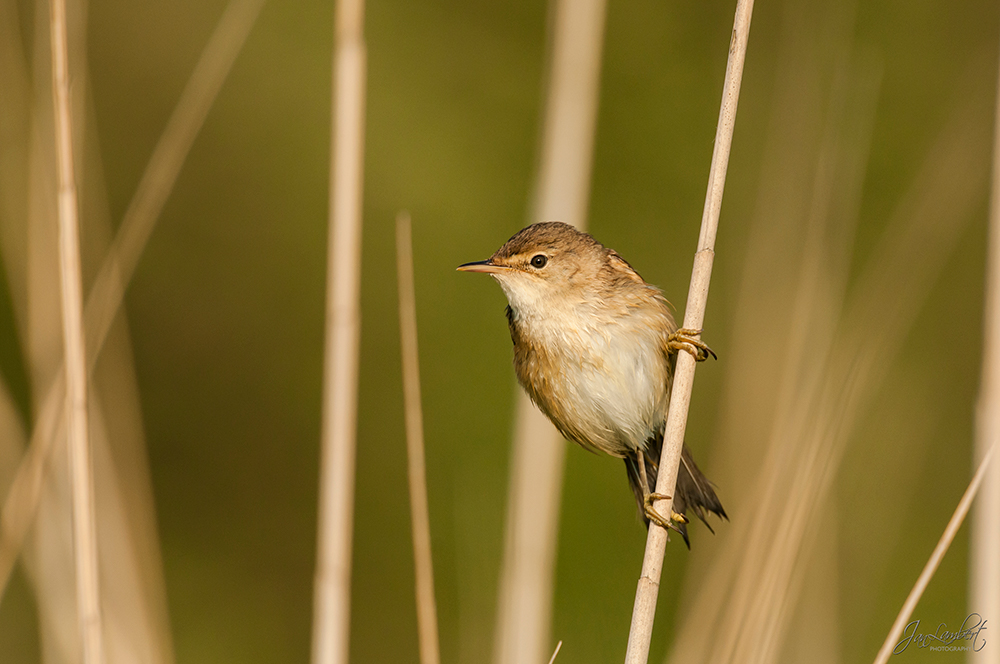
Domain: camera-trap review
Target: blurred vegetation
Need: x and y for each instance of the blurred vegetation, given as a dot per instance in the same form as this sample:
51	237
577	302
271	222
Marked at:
226	309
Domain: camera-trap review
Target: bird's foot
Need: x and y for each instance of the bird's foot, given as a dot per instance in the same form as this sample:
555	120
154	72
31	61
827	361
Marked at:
686	339
658	518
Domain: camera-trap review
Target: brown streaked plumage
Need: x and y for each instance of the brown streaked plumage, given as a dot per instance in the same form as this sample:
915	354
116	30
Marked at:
594	348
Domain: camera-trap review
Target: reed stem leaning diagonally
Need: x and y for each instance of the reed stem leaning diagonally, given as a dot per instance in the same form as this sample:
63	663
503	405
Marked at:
106	295
164	166
332	594
932	564
81	469
144	627
644	609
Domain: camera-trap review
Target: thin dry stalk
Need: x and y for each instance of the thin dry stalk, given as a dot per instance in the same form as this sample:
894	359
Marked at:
427	627
984	563
556	652
749	597
932	564
806	207
641	630
81	470
164	165
331	620
21	503
106	295
753	611
561	192
133	606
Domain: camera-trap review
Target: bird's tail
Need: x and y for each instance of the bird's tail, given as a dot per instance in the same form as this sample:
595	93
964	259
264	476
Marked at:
694	491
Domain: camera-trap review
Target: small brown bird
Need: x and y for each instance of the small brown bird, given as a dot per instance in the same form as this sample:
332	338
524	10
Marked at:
595	348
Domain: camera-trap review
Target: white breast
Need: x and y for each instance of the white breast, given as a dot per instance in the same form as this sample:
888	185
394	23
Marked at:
617	386
612	381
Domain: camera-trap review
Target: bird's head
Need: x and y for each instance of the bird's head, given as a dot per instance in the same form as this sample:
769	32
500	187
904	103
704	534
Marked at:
547	265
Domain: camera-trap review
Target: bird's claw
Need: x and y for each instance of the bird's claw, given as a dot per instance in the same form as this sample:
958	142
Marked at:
686	339
658	518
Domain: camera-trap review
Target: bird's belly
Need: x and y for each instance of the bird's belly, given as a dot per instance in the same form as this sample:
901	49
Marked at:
613	393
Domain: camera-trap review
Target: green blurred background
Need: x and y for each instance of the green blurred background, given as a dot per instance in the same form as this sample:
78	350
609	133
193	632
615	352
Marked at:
226	308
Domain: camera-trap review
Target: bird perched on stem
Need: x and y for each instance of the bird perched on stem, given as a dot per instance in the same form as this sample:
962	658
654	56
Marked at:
595	348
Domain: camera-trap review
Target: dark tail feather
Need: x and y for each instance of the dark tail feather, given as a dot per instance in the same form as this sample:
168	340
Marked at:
694	491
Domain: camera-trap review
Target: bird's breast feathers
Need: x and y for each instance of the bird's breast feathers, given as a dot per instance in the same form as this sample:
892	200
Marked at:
603	381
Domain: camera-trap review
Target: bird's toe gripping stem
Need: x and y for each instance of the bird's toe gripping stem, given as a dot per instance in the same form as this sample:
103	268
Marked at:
686	339
658	518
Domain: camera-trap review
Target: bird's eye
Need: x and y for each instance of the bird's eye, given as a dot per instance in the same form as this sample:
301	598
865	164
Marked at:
539	261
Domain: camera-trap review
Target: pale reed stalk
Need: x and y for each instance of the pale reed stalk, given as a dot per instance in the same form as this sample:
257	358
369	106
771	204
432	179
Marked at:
797	427
133	605
332	593
78	438
561	193
644	609
116	271
754	585
555	652
932	564
984	547
427	626
165	164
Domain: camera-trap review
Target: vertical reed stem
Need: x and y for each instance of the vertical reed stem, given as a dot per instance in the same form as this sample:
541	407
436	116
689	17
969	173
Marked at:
78	439
332	600
984	561
427	628
561	192
644	609
108	290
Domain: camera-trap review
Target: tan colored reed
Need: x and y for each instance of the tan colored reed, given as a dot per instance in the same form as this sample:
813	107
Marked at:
754	584
644	609
105	297
984	561
78	433
562	192
427	624
932	563
332	599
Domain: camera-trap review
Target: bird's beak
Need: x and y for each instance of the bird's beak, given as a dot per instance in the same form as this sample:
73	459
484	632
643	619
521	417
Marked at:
482	266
